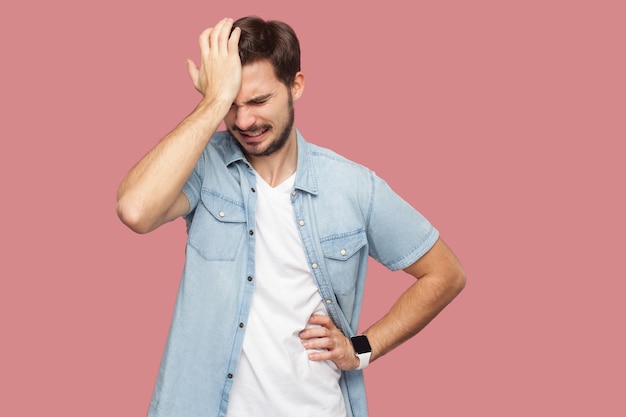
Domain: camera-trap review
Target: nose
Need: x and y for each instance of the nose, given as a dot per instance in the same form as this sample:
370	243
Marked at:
244	117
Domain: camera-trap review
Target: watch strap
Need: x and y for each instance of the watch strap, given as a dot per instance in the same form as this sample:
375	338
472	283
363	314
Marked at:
364	359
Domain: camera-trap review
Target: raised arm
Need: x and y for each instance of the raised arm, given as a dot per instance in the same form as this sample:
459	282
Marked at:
151	193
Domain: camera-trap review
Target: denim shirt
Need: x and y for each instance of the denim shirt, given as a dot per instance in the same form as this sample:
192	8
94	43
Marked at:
344	214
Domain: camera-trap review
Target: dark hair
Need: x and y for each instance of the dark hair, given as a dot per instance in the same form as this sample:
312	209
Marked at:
271	40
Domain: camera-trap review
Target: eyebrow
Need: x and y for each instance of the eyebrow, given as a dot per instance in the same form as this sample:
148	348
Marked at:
262	97
256	99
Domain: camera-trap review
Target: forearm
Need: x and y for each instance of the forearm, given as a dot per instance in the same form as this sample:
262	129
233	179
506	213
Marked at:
414	309
440	278
151	187
411	313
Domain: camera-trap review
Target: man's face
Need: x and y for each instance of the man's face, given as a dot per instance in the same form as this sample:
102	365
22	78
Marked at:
262	116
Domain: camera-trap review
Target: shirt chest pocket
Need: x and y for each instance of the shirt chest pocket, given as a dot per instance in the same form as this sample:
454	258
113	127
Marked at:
344	254
218	227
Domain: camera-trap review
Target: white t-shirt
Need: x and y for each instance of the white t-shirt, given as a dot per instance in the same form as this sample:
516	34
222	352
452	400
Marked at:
275	376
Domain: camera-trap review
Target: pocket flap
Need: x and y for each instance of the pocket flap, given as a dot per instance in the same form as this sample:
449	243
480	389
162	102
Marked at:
223	208
343	246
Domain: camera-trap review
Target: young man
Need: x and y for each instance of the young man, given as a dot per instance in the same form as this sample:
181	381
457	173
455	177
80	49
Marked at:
279	234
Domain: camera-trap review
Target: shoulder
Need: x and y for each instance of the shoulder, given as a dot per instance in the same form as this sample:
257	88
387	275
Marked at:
221	142
332	161
339	178
222	149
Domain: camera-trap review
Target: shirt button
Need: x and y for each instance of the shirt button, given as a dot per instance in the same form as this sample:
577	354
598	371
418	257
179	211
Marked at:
249	279
230	376
253	190
301	222
222	214
314	265
343	252
241	325
251	232
293	193
329	301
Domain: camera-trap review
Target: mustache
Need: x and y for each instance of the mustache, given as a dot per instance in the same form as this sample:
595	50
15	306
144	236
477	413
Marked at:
253	128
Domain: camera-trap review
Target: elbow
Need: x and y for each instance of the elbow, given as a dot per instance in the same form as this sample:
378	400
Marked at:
460	280
456	280
133	217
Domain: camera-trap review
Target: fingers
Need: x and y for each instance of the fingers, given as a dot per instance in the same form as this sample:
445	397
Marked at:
219	39
193	71
322	326
325	342
323	355
218	75
326	345
224	33
313	333
233	41
322	321
203	41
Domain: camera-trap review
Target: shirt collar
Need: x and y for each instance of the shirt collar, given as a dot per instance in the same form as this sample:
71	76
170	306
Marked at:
305	174
232	151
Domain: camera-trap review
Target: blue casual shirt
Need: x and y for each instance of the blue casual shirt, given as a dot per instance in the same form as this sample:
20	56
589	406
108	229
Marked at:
344	213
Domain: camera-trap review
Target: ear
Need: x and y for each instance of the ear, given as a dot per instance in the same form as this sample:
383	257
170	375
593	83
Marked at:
298	86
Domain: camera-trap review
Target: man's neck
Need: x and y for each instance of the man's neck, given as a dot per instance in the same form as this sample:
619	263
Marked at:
277	167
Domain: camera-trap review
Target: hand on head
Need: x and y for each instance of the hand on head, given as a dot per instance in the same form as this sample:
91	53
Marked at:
219	76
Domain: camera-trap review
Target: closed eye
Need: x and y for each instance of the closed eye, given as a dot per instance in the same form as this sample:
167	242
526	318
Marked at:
259	101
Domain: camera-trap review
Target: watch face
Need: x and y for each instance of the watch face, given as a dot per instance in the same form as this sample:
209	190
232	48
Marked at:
361	344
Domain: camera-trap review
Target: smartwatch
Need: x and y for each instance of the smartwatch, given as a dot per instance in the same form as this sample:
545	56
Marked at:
362	349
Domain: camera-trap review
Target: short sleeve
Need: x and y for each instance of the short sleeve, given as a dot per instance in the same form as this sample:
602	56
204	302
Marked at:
397	233
193	187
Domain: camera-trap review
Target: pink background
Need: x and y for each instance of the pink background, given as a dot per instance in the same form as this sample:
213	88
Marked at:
504	124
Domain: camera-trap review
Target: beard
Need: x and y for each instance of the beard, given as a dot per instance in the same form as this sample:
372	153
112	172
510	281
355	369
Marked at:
278	143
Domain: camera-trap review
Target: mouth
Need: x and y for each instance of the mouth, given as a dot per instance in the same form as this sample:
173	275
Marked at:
253	135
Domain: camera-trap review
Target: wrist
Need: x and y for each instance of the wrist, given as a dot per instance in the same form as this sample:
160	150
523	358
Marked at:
214	105
206	117
362	350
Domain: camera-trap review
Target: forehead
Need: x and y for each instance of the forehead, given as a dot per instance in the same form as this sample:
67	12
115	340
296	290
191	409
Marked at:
258	78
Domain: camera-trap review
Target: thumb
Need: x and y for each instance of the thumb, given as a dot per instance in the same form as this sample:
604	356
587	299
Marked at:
193	71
